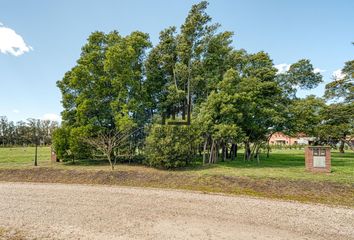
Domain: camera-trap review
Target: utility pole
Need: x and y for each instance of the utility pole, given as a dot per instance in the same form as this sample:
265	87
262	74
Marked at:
36	142
35	157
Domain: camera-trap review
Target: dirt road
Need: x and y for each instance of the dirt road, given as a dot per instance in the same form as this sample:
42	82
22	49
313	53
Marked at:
59	211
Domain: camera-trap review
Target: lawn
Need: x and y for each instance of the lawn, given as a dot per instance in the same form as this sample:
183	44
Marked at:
281	176
287	164
21	157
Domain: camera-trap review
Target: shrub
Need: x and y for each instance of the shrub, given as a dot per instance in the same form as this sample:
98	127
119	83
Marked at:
79	149
169	146
68	144
61	142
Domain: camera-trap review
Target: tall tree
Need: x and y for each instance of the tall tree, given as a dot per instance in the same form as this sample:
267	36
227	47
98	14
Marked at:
102	92
301	75
338	118
337	125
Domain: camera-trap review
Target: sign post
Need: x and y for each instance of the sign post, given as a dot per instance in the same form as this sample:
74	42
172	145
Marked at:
318	159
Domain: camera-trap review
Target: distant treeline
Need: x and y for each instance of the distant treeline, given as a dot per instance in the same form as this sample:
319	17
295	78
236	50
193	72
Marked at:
26	133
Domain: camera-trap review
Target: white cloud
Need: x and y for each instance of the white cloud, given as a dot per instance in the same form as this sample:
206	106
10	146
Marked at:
11	42
51	117
318	70
337	74
282	68
15	111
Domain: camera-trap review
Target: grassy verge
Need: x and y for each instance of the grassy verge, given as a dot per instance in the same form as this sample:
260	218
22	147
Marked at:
300	190
282	176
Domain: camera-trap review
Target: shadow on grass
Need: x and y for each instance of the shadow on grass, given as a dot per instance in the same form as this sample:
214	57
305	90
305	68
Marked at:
276	160
87	162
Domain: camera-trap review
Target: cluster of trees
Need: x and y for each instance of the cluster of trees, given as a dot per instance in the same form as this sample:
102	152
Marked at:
191	93
26	133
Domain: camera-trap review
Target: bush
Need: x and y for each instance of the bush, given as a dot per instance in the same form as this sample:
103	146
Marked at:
61	143
169	146
68	144
80	149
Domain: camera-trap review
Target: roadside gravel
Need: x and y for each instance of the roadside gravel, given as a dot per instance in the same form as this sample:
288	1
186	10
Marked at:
67	211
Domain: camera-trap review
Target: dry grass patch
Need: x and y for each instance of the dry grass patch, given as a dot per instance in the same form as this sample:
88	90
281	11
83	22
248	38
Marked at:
299	190
10	234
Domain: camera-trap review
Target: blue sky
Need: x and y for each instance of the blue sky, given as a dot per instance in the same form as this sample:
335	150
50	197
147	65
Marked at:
40	40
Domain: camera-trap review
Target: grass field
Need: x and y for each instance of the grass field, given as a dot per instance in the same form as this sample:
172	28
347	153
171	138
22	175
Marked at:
282	175
20	157
288	164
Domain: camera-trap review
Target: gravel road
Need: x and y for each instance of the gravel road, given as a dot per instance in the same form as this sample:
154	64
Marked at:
60	211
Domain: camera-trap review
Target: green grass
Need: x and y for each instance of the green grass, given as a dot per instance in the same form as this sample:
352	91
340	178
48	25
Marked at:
281	176
20	157
288	164
282	164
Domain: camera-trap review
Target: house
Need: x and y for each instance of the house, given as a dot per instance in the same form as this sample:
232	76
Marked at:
279	138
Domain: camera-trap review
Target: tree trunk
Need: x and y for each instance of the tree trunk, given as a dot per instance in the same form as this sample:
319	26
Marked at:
110	161
234	151
211	152
257	154
204	150
217	148
247	151
184	110
223	152
341	146
173	113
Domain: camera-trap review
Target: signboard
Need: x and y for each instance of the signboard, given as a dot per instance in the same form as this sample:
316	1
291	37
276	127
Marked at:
319	161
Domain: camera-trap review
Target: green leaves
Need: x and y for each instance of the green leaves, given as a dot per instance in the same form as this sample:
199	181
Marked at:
105	86
169	146
305	115
234	96
342	88
300	75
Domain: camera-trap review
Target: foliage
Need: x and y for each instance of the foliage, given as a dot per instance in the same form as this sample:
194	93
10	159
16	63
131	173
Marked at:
26	133
103	92
107	142
233	97
61	146
342	87
169	146
337	125
338	117
305	115
300	75
79	149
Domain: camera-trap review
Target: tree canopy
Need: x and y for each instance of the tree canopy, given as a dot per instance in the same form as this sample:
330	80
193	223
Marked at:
195	76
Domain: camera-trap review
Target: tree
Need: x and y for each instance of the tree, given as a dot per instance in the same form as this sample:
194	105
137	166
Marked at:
102	93
243	103
160	73
169	146
337	125
338	118
183	68
194	72
301	75
107	142
61	145
305	115
342	87
22	133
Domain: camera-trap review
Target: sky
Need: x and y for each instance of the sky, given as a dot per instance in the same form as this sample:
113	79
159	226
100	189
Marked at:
40	40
